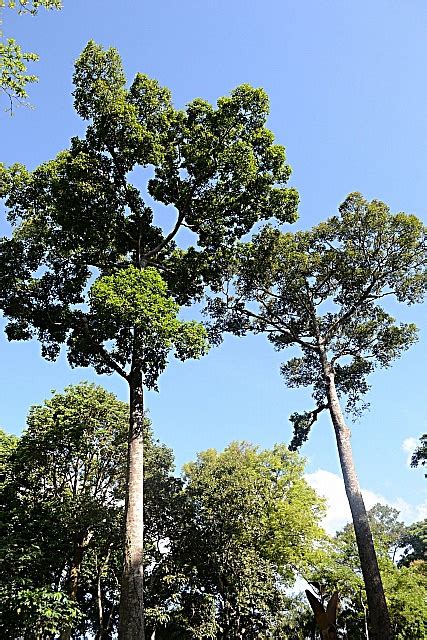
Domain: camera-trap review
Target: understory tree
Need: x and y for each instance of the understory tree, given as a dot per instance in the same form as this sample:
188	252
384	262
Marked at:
405	583
63	488
13	61
87	265
245	523
322	291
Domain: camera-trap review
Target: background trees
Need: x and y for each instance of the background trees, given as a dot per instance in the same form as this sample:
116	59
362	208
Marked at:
247	522
403	576
64	492
64	489
221	545
319	290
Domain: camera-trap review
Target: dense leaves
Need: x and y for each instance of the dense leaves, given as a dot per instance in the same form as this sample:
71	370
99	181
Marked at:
64	493
405	588
247	522
221	545
322	287
79	218
63	489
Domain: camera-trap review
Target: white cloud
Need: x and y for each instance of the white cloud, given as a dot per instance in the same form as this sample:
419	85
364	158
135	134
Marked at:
408	446
331	486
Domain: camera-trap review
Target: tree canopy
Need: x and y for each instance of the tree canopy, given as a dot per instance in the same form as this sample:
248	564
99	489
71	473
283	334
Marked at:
87	266
246	522
221	544
81	217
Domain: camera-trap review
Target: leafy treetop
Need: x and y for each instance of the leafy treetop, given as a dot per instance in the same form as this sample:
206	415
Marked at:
82	229
320	291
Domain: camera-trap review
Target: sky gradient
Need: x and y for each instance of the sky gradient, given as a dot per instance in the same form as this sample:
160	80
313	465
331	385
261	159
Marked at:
347	88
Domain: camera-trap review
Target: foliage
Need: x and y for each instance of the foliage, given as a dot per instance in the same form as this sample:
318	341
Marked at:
86	263
246	522
44	613
66	487
324	286
405	587
219	168
8	443
420	454
414	542
13	60
321	291
220	546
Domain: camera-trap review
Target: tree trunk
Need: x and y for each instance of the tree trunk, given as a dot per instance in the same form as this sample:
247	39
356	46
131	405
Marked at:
80	544
378	612
131	615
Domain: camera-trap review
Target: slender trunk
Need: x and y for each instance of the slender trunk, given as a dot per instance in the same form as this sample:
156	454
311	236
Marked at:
378	612
99	601
365	618
80	544
131	616
103	631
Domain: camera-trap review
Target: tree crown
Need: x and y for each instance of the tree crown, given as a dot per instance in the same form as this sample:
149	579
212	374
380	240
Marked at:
322	290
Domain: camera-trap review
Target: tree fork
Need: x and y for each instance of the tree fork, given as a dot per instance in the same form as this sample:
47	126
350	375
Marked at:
131	617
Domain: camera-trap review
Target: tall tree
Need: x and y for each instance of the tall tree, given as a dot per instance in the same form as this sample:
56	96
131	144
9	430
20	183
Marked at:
83	265
13	61
320	290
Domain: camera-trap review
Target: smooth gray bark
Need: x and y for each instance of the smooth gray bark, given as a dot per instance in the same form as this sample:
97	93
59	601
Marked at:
131	616
378	611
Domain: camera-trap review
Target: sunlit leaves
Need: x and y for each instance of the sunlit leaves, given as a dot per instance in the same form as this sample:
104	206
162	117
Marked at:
252	520
82	229
133	309
322	290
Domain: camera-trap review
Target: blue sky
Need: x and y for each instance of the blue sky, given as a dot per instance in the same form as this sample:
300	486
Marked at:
347	87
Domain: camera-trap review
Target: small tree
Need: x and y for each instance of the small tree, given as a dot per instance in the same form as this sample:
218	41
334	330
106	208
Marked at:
83	266
320	290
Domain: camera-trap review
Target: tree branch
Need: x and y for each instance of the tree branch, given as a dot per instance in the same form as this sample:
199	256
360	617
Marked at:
102	352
